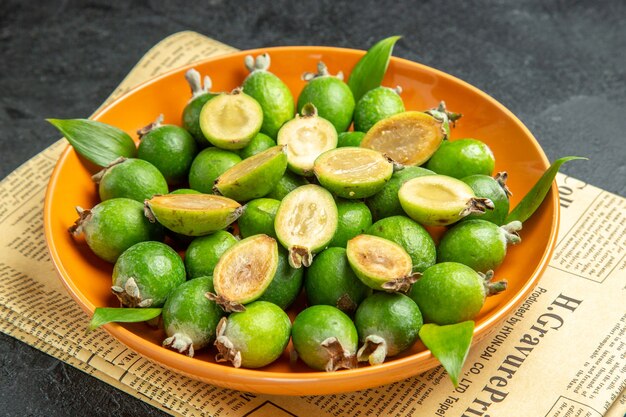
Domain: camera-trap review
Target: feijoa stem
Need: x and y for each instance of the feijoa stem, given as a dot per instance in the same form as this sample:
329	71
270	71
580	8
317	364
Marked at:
226	349
374	350
308	110
181	343
492	288
510	232
322	71
477	205
501	178
226	304
261	63
150	127
97	177
338	357
130	295
83	215
299	257
193	78
403	284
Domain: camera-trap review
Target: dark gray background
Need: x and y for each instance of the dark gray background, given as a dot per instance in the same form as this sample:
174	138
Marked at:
558	65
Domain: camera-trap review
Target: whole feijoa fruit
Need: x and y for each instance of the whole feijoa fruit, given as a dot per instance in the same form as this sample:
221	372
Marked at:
130	178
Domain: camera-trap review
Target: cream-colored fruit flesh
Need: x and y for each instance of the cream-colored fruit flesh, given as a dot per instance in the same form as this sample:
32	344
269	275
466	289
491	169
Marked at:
305	139
380	259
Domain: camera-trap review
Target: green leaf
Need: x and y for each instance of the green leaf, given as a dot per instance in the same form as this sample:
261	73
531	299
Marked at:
98	142
450	344
104	315
368	73
533	199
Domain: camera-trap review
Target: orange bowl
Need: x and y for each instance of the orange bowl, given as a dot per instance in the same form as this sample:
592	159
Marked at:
88	279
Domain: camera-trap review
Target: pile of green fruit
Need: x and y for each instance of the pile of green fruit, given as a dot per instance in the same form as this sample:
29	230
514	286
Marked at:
270	197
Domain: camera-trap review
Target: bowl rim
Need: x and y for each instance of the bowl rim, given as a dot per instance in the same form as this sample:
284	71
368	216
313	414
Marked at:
260	380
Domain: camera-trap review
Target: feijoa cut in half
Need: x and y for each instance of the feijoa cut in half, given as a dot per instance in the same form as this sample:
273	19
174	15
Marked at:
439	200
192	214
245	271
231	120
253	177
409	138
306	222
380	263
306	137
353	172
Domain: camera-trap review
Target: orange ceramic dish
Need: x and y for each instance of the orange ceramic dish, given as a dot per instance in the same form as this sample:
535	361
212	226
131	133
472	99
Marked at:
88	279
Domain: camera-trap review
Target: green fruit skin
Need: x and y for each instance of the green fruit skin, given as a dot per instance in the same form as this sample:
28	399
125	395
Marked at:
258	144
330	281
288	182
394	317
134	178
248	187
376	105
258	217
479	244
208	165
261	333
364	189
333	99
314	325
485	186
409	234
171	149
462	158
354	219
386	203
449	293
274	97
203	253
286	284
156	268
188	312
117	224
191	118
349	139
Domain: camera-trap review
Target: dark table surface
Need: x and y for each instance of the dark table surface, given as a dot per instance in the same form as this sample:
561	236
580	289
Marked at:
558	65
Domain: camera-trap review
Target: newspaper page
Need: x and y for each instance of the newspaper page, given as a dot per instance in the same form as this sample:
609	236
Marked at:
561	353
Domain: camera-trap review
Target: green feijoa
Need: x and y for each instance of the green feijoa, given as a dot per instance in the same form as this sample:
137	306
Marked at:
330	281
208	165
306	137
286	284
287	183
354	218
244	271
305	223
170	148
375	105
203	253
200	94
387	324
380	263
353	172
493	188
253	338
349	139
231	120
409	234
253	177
439	200
146	273
115	225
386	203
325	338
461	158
450	292
130	178
189	317
271	92
258	144
479	244
258	217
192	214
330	95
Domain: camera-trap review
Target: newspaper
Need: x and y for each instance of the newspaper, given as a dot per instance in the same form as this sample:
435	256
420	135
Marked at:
561	353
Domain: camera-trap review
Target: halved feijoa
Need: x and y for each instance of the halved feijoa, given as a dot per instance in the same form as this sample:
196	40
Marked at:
244	271
253	177
193	214
353	172
230	121
306	137
305	222
409	138
439	200
380	263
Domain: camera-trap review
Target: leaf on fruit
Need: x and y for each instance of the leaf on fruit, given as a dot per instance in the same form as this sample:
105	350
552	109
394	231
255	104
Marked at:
368	73
450	344
104	315
97	142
